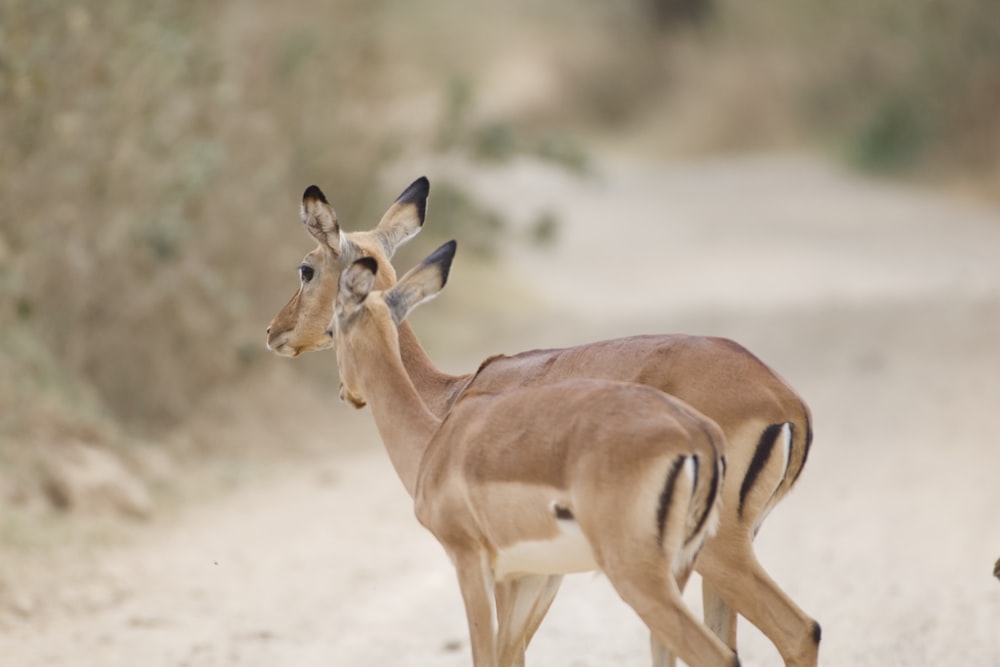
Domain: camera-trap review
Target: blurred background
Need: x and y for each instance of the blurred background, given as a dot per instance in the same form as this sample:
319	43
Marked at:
152	156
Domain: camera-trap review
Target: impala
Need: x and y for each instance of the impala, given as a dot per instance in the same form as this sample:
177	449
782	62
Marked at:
516	486
766	424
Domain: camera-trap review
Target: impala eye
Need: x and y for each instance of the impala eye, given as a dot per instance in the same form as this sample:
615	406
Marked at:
306	273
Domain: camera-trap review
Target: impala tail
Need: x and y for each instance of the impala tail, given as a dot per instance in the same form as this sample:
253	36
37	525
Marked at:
703	518
690	499
777	461
801	441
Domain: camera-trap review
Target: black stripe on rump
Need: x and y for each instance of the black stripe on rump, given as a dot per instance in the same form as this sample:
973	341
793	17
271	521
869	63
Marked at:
760	457
665	496
710	500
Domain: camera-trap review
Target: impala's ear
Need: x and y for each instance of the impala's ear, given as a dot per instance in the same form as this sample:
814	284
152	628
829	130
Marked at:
320	219
405	217
421	283
357	280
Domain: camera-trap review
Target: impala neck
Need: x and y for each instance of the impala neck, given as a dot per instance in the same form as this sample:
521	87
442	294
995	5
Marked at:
437	389
403	420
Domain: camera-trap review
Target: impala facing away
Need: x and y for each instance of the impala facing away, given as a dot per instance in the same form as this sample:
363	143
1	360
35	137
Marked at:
766	424
567	477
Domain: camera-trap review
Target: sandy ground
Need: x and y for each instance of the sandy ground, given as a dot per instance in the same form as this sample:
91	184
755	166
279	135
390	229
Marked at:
880	303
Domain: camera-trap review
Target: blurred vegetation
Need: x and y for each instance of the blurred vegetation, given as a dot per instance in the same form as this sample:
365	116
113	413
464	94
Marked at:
145	170
499	140
895	86
153	153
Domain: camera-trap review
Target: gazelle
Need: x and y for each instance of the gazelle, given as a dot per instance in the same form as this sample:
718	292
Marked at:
767	425
567	477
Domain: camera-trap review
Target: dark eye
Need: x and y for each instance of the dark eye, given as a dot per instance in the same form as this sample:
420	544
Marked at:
306	273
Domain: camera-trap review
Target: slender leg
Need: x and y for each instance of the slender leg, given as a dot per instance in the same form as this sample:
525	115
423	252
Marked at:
661	654
719	616
521	605
642	577
541	607
659	604
759	599
734	580
505	595
476	583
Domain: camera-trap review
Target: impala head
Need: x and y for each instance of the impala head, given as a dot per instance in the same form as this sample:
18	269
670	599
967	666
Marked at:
303	324
365	319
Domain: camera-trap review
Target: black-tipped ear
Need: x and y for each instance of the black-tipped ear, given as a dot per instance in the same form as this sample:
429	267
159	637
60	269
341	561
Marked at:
405	218
421	283
313	192
320	219
416	194
442	257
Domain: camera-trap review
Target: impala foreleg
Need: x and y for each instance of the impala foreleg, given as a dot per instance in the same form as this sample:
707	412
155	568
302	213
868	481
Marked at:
521	605
475	580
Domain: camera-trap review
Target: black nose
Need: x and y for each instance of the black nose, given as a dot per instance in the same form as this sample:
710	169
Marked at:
329	332
267	330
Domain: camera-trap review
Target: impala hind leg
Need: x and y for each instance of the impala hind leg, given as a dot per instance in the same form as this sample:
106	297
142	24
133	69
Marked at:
732	571
734	580
521	605
641	567
662	657
659	604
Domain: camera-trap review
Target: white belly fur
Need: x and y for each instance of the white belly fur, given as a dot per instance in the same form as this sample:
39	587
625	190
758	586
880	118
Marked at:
566	553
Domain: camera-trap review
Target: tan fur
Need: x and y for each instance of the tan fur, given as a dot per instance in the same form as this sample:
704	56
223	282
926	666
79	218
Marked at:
718	377
490	475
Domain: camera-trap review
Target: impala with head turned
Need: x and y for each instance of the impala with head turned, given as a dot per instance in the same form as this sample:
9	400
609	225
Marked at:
766	423
521	485
301	326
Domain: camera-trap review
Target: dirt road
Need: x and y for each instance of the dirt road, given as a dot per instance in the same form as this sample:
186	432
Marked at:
881	304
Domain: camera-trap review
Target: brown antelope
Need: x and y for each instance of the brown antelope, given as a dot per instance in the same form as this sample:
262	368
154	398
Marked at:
767	425
573	476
